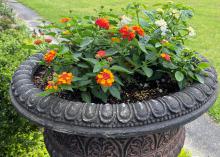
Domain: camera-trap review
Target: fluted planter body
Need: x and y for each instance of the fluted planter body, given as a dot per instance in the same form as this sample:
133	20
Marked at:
153	128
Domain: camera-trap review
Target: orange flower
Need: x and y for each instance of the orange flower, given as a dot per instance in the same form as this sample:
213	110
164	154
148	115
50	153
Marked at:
105	78
115	40
127	33
51	85
65	78
138	30
165	56
102	23
38	42
100	54
65	20
49	56
48	40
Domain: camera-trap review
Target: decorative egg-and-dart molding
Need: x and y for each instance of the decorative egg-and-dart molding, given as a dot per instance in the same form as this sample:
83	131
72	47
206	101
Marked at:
74	129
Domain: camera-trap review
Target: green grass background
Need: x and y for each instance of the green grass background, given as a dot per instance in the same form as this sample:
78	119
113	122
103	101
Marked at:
206	22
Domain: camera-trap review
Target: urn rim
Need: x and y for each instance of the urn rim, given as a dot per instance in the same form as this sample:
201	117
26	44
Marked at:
109	120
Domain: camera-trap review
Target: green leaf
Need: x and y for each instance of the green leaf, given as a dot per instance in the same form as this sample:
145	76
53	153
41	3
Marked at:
169	65
51	34
148	71
25	46
151	56
66	87
203	65
47	92
76	56
75	79
179	76
99	94
82	83
90	60
118	80
199	78
86	97
82	65
105	89
151	48
97	67
115	92
86	41
142	46
158	45
181	84
150	15
143	22
111	52
120	69
64	49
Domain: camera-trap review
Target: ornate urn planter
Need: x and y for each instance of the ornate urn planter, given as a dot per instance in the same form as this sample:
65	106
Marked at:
153	128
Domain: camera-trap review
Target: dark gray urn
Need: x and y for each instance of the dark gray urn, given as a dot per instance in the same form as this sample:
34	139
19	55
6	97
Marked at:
153	128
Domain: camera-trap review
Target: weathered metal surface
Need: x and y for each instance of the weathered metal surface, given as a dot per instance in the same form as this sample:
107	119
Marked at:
164	144
105	120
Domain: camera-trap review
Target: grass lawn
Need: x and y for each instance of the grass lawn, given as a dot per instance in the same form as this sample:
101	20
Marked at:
206	22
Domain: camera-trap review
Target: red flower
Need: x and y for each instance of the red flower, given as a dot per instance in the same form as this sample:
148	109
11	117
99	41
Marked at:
102	23
48	40
100	54
138	30
165	56
65	20
38	42
127	33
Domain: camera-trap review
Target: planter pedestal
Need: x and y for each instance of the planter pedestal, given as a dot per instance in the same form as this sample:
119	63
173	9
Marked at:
150	128
163	144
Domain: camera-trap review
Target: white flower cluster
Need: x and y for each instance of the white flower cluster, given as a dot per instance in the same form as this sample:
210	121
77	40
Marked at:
124	21
163	26
191	31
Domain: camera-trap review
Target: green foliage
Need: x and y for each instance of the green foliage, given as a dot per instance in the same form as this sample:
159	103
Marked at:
185	153
17	136
206	42
6	16
141	42
5	10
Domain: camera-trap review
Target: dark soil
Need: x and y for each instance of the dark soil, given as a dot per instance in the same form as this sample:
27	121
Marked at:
132	92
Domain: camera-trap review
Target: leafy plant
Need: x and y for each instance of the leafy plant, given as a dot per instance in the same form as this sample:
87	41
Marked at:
6	16
17	136
104	52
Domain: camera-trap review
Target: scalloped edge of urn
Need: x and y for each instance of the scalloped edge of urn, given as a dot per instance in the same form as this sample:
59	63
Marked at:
105	120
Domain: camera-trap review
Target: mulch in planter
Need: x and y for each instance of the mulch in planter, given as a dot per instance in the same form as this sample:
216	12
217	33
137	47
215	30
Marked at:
131	92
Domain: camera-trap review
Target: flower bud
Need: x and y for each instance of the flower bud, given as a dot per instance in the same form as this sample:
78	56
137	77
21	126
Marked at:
109	59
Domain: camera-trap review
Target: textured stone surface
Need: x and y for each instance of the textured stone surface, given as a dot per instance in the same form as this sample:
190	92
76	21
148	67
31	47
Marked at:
203	137
31	18
163	144
95	119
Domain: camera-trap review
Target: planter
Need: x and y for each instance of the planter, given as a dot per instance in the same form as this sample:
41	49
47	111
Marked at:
153	128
